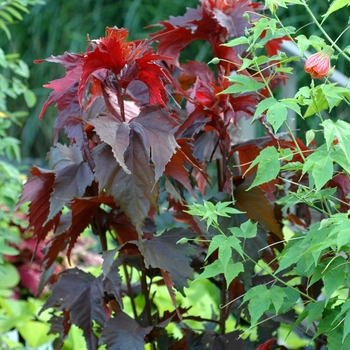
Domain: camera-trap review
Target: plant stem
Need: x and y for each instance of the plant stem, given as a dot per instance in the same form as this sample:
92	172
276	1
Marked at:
99	230
279	279
130	291
223	305
295	141
333	44
145	292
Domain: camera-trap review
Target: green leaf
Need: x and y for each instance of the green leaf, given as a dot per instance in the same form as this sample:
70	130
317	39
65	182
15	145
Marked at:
242	84
237	41
246	230
29	97
303	43
339	130
319	164
289	103
211	270
334	276
263	106
335	6
232	271
312	312
259	302
4	27
14	13
277	115
317	103
334	94
268	166
346	326
37	338
235	243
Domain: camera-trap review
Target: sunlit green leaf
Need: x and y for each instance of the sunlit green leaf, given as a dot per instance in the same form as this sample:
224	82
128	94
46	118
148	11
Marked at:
268	166
242	84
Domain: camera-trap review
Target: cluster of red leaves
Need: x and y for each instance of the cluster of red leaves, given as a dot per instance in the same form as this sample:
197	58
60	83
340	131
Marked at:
119	106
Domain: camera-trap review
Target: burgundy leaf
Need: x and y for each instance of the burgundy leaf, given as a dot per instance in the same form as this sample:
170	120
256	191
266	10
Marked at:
164	253
124	333
177	167
60	325
169	284
81	294
62	156
158	125
71	178
114	133
135	192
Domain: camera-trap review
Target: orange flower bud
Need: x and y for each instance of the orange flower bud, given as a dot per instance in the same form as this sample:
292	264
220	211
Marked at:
318	64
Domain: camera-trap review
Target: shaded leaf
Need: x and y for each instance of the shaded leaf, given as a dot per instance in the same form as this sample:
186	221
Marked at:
123	333
158	125
81	294
257	207
135	192
164	253
72	176
114	133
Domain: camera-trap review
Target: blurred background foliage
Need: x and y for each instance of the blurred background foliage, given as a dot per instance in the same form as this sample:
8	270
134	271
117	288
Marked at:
59	26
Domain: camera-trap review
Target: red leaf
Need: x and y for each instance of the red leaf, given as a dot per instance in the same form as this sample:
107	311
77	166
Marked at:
60	325
342	183
109	54
72	62
169	284
214	21
267	345
38	190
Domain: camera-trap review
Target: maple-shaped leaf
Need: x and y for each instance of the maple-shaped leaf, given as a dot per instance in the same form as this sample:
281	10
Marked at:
81	294
72	176
82	212
158	126
257	207
153	122
212	21
123	333
164	252
109	54
177	168
65	97
72	63
37	190
135	192
193	124
116	134
60	324
127	62
169	284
